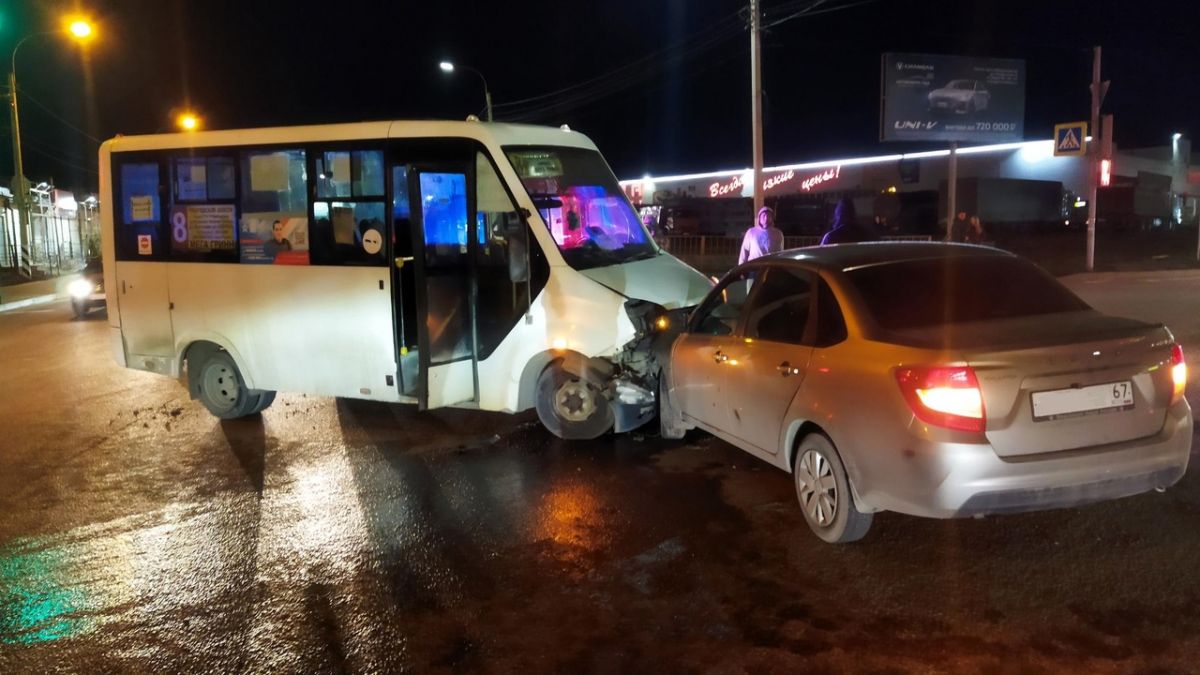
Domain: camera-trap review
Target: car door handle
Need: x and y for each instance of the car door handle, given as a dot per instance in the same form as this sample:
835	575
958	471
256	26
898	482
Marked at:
785	369
720	357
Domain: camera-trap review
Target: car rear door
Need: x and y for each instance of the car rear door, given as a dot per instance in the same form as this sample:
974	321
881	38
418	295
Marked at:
767	366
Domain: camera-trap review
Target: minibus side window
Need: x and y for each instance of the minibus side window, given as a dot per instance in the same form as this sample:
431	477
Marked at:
202	219
273	213
139	216
349	213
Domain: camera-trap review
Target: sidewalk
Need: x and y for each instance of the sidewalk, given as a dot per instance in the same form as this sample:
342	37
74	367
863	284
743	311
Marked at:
34	292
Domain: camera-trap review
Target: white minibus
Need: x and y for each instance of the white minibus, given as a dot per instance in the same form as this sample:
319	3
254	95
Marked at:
465	264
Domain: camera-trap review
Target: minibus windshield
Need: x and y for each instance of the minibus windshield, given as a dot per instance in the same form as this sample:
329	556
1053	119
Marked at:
582	204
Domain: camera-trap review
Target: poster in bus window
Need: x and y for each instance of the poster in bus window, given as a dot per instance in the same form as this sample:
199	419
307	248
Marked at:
274	238
191	180
202	228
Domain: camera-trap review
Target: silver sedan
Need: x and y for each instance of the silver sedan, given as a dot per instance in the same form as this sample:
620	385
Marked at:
929	379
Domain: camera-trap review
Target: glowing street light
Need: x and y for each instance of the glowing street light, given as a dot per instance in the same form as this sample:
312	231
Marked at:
80	30
448	67
188	121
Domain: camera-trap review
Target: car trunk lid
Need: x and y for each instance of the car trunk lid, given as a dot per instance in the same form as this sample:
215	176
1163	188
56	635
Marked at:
1059	382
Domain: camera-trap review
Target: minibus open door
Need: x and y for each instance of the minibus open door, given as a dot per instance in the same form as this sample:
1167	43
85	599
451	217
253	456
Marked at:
443	245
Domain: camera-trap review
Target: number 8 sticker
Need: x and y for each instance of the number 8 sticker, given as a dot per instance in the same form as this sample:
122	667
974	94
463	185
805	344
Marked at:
179	229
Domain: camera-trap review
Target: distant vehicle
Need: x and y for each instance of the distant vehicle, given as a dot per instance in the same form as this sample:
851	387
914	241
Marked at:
465	264
903	377
963	96
87	292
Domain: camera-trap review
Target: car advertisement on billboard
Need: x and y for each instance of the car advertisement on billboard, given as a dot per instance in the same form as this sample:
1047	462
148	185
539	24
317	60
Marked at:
930	97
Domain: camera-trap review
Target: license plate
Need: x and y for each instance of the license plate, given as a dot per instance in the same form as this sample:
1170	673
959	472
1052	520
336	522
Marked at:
1098	398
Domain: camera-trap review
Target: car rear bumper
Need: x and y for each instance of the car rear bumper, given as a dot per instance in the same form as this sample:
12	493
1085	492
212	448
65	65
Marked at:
948	480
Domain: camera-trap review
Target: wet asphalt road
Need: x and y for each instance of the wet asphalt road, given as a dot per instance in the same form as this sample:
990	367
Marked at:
138	533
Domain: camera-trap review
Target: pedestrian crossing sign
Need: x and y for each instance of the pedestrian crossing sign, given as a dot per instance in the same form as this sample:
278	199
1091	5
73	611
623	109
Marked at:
1070	139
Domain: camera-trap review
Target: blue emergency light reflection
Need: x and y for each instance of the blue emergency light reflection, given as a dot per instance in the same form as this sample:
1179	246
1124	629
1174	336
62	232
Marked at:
444	210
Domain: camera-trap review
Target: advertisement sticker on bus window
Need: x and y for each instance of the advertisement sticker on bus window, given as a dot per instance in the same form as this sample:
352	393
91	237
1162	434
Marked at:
274	238
202	228
141	207
269	172
372	241
192	180
145	245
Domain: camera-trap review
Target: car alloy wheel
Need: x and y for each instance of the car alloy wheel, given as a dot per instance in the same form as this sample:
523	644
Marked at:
817	488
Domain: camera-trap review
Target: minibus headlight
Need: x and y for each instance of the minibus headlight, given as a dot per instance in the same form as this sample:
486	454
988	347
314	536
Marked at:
80	288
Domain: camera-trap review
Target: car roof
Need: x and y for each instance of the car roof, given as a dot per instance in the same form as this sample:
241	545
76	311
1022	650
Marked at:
844	257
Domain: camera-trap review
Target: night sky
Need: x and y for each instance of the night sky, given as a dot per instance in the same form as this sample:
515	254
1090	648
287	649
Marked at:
662	87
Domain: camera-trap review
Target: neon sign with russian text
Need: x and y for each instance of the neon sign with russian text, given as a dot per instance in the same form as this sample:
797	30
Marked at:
778	179
825	176
722	189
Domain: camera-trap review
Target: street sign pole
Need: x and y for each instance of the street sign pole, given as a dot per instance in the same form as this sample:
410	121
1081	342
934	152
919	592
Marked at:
951	189
1094	158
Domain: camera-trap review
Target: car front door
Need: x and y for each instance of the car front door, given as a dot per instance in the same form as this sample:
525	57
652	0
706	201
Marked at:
769	363
700	357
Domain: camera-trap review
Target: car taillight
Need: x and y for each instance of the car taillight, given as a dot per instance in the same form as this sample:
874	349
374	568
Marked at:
944	396
1178	373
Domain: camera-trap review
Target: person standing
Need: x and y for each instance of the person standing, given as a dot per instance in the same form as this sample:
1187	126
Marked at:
959	228
974	233
845	228
762	238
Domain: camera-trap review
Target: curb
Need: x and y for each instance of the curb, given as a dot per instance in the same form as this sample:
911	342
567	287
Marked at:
36	300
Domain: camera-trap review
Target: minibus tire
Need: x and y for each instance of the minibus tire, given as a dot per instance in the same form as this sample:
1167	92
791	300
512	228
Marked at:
222	390
550	384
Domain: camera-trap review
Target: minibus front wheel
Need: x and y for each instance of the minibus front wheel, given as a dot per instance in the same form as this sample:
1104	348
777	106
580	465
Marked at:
572	406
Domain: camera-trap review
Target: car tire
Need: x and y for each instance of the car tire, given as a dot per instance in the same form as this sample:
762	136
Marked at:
823	489
571	407
222	390
79	308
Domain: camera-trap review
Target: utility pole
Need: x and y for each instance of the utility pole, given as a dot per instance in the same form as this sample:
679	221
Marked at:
756	103
1099	89
20	187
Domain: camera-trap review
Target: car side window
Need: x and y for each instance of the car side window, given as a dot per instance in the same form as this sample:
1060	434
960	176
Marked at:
831	325
721	310
780	309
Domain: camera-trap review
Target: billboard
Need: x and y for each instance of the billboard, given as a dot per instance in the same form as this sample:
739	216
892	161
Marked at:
929	97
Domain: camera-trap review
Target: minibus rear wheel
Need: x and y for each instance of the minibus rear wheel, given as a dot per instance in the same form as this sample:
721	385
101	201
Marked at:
572	407
222	390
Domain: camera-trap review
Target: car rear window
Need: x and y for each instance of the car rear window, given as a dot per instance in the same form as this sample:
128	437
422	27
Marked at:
923	293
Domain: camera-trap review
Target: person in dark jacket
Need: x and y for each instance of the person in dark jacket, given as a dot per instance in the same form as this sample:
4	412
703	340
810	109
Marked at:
845	229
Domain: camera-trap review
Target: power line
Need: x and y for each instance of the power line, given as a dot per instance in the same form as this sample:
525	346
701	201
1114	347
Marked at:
720	25
61	120
583	93
62	161
624	80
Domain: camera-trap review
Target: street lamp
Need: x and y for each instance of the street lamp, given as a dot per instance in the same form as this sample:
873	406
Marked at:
448	67
188	121
80	30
